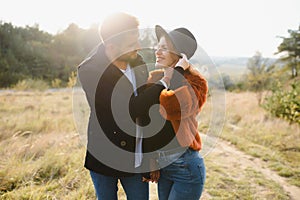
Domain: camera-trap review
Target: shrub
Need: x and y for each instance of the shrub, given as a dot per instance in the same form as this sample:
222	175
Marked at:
285	103
56	83
31	84
72	80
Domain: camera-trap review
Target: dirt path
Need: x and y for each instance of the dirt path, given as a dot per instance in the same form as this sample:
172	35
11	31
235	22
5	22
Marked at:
231	156
239	159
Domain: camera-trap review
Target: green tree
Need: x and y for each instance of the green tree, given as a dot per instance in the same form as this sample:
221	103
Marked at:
290	46
29	53
69	47
259	74
23	53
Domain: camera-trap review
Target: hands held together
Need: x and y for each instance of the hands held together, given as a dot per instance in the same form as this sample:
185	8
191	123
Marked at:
154	176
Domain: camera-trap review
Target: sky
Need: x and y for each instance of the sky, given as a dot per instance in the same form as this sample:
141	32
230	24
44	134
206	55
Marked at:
221	27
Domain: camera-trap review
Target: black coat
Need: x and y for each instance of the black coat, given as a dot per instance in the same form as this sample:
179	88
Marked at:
100	79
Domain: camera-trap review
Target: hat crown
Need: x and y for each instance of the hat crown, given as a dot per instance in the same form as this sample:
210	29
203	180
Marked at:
182	39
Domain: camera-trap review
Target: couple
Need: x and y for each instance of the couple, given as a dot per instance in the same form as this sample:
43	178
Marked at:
130	138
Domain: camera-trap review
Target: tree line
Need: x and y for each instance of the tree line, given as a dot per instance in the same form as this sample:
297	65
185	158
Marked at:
30	53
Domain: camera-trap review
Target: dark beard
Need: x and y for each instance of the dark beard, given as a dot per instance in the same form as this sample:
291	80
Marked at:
128	58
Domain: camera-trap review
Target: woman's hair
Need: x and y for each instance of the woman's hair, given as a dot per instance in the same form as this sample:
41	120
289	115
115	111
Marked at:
192	70
117	23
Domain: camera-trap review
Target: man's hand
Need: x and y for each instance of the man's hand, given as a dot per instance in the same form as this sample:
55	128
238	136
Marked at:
168	73
154	176
183	62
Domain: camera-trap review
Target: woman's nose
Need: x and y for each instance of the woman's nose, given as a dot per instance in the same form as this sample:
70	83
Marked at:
158	51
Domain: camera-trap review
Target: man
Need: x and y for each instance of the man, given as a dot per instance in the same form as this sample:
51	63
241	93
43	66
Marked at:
109	76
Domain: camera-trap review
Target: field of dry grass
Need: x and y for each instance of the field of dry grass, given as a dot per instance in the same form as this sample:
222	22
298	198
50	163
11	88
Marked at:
272	140
41	153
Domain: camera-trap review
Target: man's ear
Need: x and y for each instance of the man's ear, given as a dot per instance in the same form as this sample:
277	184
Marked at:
109	47
110	50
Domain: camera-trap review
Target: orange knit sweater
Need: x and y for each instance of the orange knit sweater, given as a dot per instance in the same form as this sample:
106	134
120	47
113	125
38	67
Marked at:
181	106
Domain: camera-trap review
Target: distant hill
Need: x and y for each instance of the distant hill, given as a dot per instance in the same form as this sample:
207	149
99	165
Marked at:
240	61
235	67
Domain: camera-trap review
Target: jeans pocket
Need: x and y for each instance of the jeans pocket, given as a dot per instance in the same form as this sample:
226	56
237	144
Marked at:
180	163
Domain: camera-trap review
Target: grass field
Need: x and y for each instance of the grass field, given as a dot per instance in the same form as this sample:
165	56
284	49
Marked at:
255	132
41	153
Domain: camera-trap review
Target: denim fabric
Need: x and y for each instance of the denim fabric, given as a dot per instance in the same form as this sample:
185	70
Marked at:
184	178
106	187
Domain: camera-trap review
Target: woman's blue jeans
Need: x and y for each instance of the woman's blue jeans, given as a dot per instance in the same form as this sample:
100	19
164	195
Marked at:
182	179
107	187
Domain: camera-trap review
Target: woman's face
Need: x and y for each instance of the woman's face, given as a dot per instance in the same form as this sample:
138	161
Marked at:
165	55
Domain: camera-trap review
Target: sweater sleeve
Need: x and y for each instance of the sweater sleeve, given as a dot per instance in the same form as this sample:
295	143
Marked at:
184	101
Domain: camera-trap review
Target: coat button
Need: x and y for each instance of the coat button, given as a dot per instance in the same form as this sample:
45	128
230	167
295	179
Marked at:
115	132
123	143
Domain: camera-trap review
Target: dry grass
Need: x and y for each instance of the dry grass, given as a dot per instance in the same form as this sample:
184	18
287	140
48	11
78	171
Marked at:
41	154
253	130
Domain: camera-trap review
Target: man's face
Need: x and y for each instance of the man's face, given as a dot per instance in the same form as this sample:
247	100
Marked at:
129	46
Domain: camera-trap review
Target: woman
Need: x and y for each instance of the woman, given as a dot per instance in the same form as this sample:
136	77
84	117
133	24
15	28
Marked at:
187	91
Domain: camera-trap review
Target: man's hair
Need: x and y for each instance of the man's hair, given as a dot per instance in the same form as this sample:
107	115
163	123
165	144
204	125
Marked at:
116	24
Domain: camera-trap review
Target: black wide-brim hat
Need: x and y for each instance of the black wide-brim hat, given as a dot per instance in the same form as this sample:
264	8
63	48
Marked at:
183	40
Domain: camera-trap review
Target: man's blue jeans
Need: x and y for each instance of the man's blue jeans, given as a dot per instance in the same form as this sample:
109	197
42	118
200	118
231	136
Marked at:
182	179
107	187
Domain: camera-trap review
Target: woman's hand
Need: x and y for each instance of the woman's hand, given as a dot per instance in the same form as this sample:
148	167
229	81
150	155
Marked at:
183	62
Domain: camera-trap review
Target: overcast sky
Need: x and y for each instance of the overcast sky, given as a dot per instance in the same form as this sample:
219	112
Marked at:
221	27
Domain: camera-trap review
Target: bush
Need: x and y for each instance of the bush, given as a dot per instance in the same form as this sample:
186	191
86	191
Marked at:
285	103
31	84
72	80
228	83
56	83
